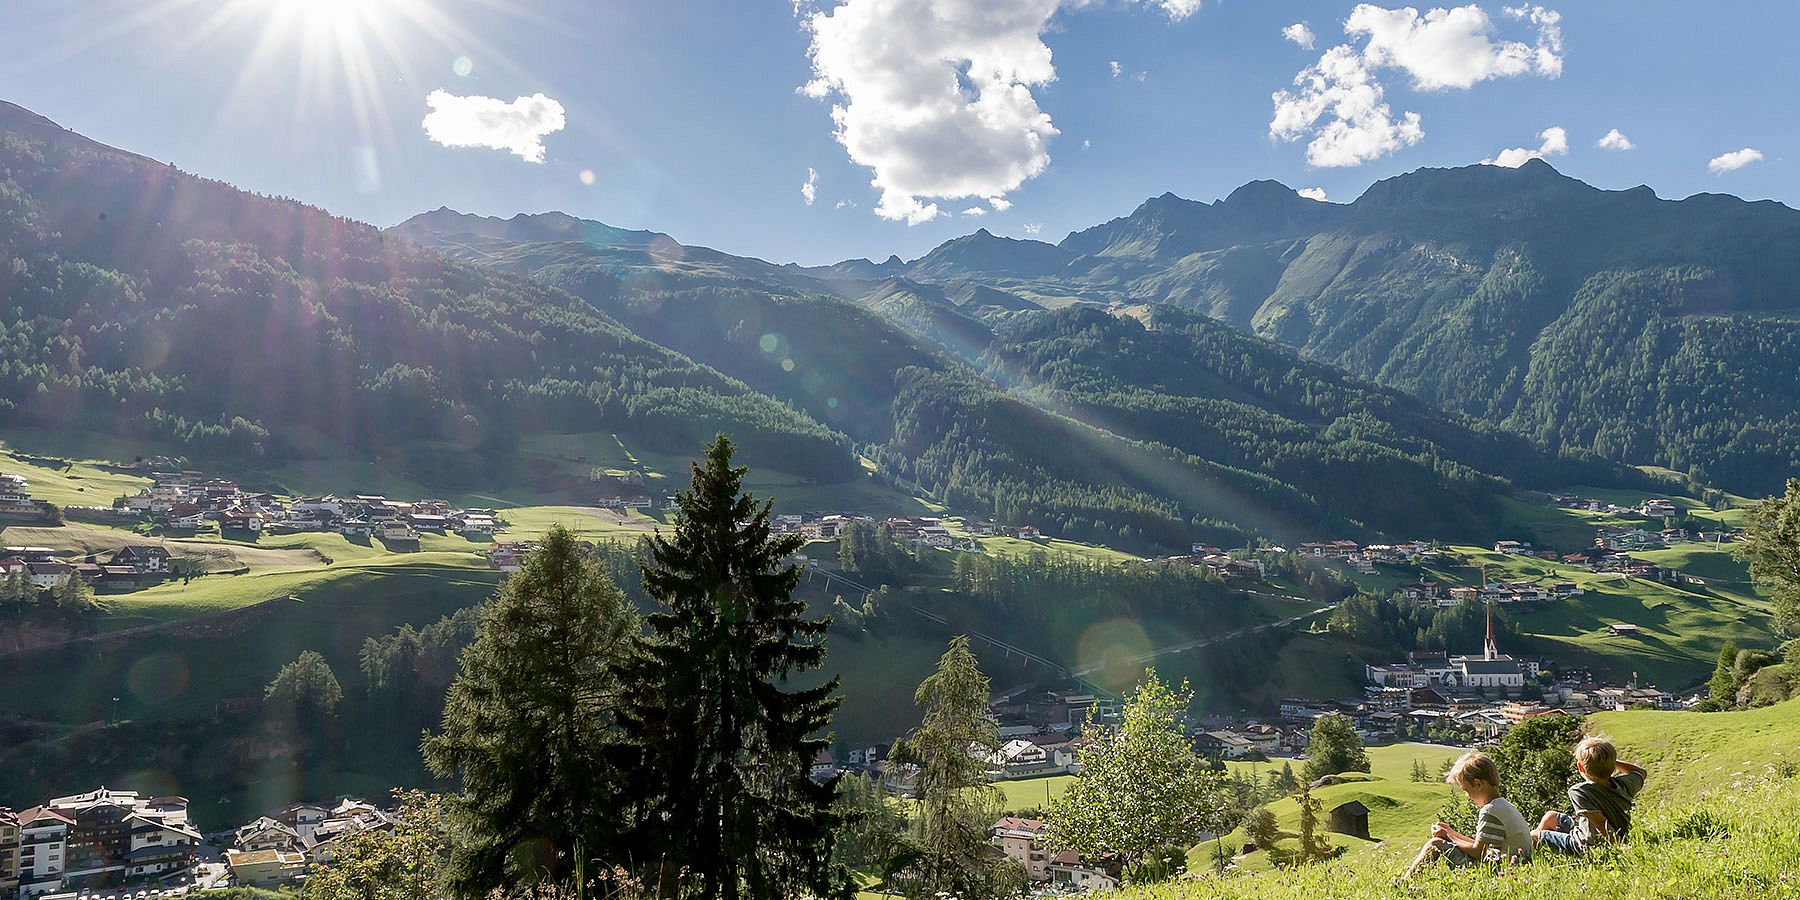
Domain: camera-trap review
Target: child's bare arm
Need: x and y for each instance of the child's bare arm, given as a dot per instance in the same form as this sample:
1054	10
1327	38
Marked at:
1631	769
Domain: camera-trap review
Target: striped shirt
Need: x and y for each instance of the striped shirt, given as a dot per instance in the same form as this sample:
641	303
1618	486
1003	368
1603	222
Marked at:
1611	798
1501	827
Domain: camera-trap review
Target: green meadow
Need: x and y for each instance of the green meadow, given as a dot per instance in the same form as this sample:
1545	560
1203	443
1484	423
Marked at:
1715	821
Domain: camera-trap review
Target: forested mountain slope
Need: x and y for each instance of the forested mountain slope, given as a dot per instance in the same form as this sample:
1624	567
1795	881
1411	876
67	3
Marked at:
1641	329
150	303
141	300
1087	425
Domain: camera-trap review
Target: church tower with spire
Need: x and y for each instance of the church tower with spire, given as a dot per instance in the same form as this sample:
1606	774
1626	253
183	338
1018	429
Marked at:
1490	651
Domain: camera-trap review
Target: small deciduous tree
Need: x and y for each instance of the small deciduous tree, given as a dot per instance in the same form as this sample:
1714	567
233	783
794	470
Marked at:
1141	784
1334	747
1537	762
1771	544
402	863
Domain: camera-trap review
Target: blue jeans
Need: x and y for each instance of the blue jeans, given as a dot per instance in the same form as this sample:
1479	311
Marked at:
1563	839
1453	855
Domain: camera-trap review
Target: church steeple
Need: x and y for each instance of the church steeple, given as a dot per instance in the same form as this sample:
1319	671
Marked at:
1489	650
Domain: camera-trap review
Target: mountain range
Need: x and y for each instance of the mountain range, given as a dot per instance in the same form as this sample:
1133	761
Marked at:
1263	365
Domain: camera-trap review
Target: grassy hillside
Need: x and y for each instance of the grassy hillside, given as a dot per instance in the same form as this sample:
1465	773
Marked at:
1398	806
1715	821
1693	756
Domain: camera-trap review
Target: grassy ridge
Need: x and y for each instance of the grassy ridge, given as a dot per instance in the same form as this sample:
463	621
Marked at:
1716	820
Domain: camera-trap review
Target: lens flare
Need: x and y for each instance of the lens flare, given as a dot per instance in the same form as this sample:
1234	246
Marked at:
1114	646
158	678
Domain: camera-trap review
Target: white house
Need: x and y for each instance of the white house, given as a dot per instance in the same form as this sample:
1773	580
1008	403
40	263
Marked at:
317	507
47	575
1069	871
43	843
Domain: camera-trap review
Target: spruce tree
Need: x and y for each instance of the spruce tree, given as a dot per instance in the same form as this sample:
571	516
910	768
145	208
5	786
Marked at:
530	723
1289	782
729	809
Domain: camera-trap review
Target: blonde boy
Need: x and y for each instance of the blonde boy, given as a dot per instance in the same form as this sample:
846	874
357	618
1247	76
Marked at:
1501	832
1601	801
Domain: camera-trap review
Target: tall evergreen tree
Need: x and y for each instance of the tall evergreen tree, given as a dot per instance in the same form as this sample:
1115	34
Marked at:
957	804
530	724
730	809
305	691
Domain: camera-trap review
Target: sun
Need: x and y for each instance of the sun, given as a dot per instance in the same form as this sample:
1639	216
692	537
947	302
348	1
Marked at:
332	17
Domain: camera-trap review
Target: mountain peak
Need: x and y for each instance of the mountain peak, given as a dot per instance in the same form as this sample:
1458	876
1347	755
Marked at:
1261	191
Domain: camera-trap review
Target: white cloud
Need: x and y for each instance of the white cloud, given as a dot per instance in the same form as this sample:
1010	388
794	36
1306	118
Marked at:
1033	228
1451	48
1555	143
1113	65
841	204
975	211
1736	159
1177	9
1085	143
1300	34
809	191
1000	204
1614	140
1340	103
935	97
517	127
1312	193
1358	126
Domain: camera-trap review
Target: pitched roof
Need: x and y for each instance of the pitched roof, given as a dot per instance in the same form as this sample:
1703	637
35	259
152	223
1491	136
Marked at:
37	813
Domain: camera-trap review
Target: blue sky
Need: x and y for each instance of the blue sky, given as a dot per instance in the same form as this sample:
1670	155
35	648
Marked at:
693	116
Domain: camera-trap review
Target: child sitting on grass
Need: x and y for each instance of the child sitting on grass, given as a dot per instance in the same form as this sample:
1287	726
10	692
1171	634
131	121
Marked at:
1601	801
1501	832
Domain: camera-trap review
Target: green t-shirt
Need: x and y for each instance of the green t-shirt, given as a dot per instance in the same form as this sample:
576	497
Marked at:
1611	798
